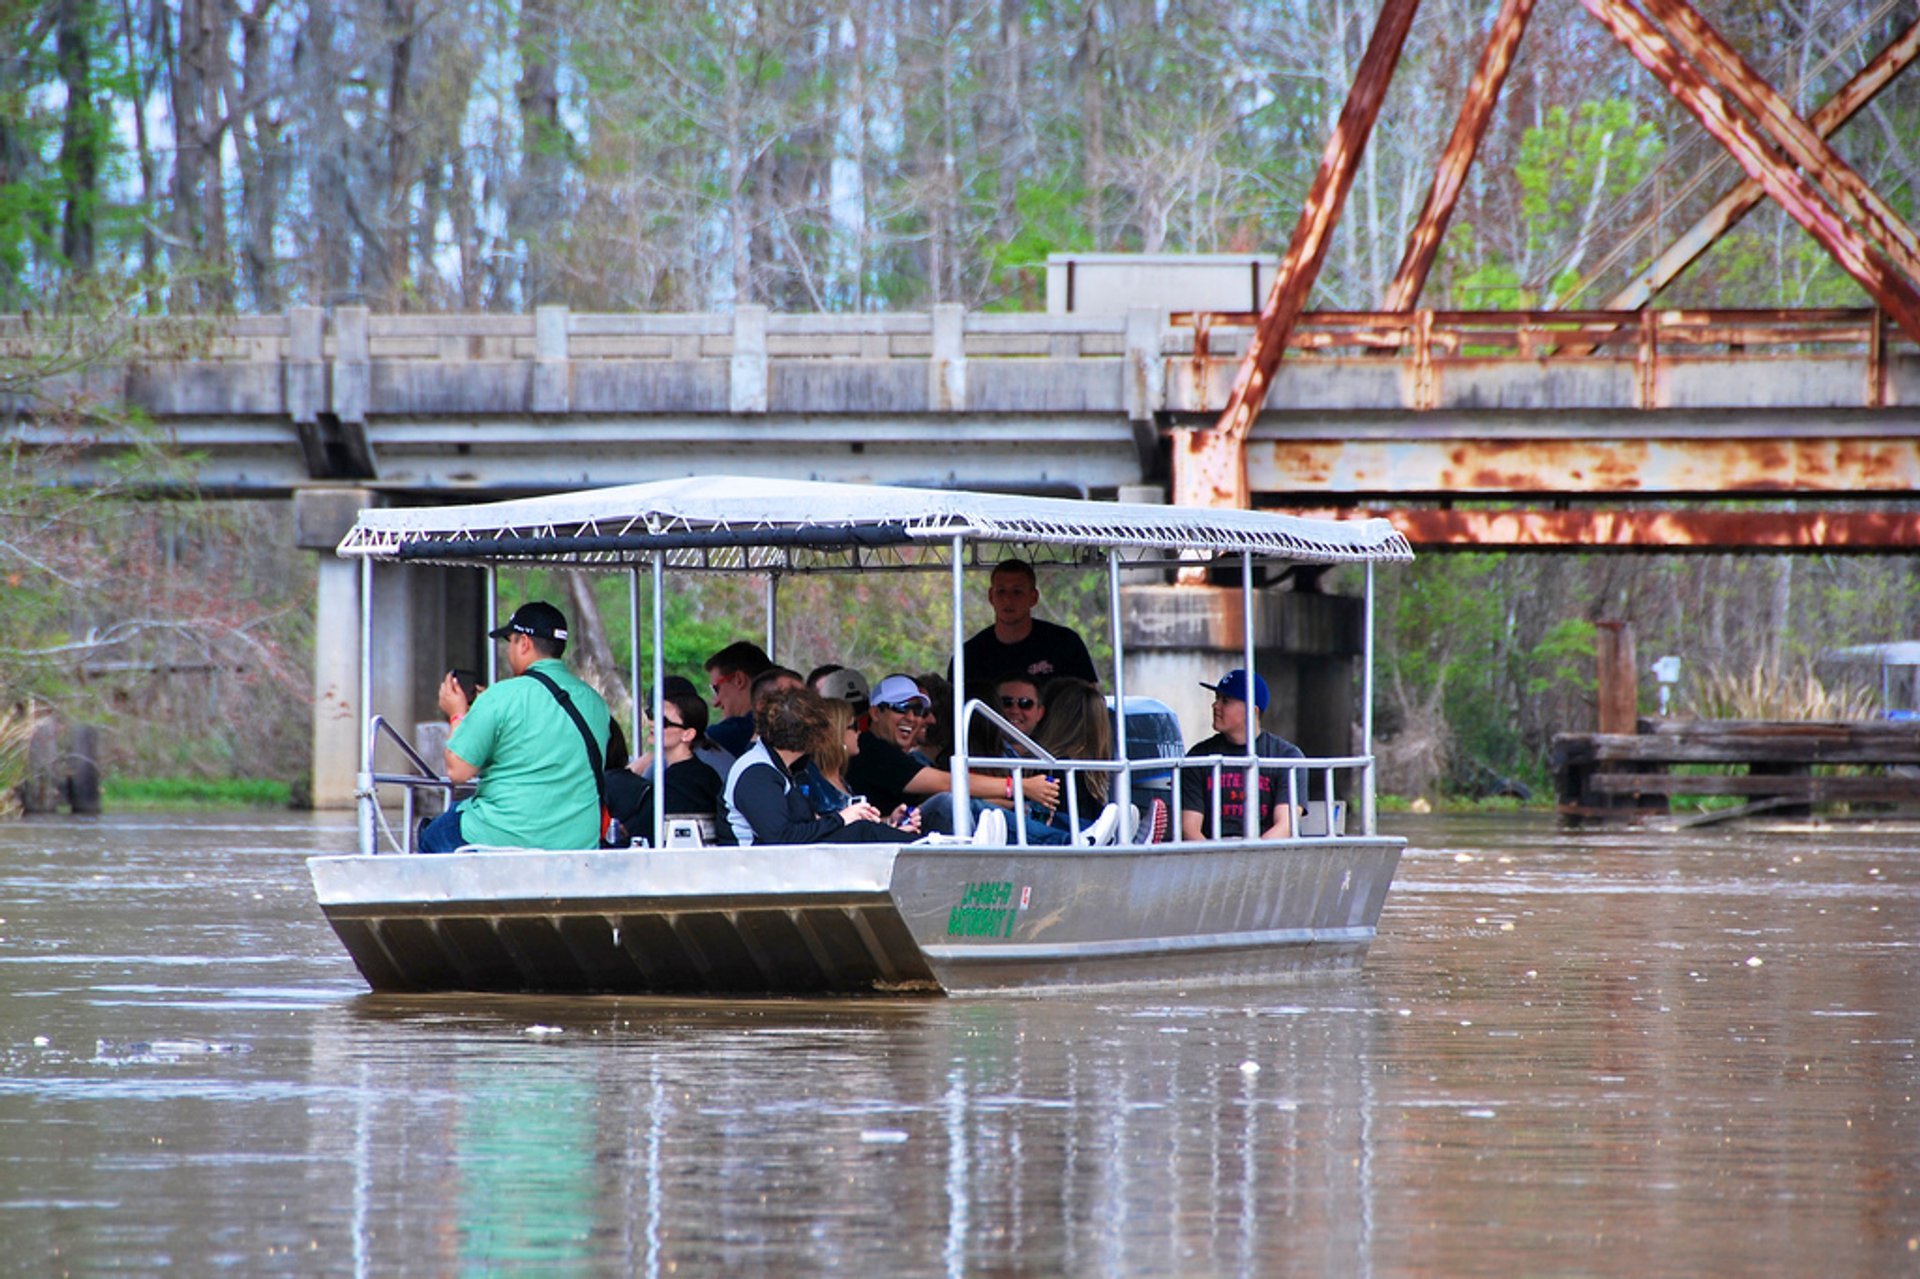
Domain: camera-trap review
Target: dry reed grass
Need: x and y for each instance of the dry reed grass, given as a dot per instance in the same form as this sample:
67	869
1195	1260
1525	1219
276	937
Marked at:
1766	692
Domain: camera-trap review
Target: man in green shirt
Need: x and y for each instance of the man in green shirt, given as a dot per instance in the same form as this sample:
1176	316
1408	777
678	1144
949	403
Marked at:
537	789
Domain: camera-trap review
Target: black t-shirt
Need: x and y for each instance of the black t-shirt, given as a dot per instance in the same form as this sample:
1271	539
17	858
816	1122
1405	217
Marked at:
1049	651
881	772
1196	784
692	787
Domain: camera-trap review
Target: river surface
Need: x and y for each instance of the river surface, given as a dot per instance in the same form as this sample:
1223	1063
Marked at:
1624	1053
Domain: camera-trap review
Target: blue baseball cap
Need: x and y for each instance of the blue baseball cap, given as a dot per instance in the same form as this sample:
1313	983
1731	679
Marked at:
1233	687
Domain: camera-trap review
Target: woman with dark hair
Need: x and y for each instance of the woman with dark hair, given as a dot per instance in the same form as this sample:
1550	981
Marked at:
1077	726
693	786
764	802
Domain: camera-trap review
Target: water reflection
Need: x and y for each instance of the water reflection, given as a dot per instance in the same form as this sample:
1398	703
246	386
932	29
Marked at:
950	1138
1601	1053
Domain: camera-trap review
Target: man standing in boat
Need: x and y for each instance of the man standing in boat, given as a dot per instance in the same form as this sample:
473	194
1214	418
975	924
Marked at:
539	787
1232	723
1018	643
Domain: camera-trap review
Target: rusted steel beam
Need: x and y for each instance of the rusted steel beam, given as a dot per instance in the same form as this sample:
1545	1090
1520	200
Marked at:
1858	532
1210	470
1483	91
1741	199
1727	211
1761	162
1883	465
1803	144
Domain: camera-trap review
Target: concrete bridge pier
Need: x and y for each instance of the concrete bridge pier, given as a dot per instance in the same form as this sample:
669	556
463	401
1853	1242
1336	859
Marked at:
425	620
1307	646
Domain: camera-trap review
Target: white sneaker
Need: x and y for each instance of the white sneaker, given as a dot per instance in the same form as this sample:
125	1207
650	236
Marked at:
1103	828
990	827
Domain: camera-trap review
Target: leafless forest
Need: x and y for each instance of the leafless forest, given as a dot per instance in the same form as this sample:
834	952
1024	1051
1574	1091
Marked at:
201	156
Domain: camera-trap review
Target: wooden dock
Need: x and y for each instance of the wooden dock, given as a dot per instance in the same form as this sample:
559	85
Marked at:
1785	765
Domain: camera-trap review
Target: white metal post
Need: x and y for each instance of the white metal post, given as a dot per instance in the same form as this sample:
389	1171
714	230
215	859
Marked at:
1367	780
962	809
1250	827
1123	795
633	660
365	796
773	615
659	696
493	612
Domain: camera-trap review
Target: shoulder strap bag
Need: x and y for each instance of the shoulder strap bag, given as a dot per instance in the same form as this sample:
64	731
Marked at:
612	835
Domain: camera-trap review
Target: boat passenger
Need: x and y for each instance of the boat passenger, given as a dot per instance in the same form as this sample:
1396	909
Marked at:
1021	703
1232	724
1018	642
887	775
934	742
693	787
704	748
1077	725
764	803
539	788
825	777
730	673
832	680
774	678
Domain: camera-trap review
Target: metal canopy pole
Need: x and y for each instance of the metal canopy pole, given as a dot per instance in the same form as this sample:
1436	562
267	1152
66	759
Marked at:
493	614
364	791
773	613
633	659
659	698
958	778
1123	796
1367	779
1250	827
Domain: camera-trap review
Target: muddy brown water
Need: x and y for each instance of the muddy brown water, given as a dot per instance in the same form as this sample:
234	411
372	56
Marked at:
1622	1053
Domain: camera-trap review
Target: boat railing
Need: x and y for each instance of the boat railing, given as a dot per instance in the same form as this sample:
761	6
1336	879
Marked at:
422	778
1304	776
1308	780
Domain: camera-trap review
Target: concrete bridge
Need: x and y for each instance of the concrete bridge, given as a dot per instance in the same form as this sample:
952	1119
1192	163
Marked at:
1412	407
1414	412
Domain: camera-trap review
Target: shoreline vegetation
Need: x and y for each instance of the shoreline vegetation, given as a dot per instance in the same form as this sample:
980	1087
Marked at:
156	794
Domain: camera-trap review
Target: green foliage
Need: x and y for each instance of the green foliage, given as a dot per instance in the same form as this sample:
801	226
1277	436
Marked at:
157	793
1599	149
1563	659
1049	218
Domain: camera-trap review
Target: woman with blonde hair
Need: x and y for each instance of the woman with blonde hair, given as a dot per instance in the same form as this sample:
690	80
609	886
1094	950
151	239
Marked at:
1077	726
765	803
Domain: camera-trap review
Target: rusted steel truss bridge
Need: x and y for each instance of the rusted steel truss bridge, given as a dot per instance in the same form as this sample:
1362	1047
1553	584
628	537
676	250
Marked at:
1626	426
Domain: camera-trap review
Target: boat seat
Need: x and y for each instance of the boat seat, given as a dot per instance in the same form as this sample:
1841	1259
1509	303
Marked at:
1314	821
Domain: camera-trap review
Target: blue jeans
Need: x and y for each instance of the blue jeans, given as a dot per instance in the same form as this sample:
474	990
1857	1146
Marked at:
936	814
442	834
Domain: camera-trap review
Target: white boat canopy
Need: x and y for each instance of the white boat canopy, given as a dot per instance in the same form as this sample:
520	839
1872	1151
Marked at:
735	523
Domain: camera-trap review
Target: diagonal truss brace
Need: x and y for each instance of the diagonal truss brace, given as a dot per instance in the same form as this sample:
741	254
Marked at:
1741	198
1803	144
1483	91
1209	467
1775	174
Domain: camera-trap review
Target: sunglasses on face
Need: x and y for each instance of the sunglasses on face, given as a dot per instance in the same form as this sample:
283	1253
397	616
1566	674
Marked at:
905	708
1023	703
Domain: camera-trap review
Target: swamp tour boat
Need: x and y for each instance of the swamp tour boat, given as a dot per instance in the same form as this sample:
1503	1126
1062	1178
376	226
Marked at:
947	914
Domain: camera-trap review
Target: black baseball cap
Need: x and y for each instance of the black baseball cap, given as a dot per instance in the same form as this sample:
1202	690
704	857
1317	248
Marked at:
538	619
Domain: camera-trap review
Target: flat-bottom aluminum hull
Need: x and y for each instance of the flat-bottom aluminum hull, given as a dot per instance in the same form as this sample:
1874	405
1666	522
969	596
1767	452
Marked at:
846	919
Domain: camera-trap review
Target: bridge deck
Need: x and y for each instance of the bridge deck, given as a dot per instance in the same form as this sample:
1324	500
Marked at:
1367	407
